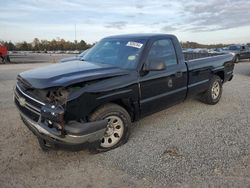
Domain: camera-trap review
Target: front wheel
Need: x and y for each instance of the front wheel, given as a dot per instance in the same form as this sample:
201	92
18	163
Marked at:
214	92
117	131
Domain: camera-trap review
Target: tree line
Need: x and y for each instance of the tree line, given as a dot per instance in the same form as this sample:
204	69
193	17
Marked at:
189	44
46	45
61	44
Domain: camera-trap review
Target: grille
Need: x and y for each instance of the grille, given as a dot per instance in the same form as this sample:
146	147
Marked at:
30	114
30	100
28	105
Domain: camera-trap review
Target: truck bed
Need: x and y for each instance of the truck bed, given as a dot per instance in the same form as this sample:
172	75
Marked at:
200	71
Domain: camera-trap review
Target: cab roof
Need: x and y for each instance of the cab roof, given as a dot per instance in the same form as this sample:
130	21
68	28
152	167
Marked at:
139	36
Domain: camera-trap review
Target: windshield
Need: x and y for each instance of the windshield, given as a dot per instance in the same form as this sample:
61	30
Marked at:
234	48
122	53
83	53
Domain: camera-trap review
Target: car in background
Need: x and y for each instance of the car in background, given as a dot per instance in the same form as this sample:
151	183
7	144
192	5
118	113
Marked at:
74	58
200	50
240	51
4	54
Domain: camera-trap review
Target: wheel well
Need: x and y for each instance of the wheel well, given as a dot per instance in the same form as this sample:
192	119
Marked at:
220	74
124	103
127	105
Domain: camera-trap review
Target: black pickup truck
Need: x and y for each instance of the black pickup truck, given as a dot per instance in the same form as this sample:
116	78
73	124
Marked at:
123	78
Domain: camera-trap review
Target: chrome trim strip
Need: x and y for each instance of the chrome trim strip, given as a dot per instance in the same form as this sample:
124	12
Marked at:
35	110
29	96
28	104
27	107
198	83
115	93
209	57
149	99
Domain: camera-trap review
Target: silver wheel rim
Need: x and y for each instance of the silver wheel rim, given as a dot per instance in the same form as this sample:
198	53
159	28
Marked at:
113	133
215	90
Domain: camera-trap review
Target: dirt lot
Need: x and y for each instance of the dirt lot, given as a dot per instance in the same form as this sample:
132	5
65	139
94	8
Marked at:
188	145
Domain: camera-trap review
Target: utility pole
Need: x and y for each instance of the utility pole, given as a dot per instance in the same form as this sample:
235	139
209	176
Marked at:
75	38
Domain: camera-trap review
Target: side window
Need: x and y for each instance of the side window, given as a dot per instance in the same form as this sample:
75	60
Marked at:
246	47
163	50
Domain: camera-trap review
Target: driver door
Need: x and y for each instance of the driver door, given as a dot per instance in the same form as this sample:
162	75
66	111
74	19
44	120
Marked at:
160	89
245	52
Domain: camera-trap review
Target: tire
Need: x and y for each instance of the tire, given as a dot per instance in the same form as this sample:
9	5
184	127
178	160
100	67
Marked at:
214	92
237	59
118	129
42	145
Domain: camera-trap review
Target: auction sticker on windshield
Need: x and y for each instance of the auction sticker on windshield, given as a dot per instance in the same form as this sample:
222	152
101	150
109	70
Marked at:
134	44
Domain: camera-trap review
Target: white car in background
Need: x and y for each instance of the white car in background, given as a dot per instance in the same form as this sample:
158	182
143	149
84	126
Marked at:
78	57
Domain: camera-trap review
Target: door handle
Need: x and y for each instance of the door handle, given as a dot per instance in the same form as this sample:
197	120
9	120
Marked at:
178	74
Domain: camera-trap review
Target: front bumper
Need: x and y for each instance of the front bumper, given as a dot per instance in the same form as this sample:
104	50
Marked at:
51	128
91	132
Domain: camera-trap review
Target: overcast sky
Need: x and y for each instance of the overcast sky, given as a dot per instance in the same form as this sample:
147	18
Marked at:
211	21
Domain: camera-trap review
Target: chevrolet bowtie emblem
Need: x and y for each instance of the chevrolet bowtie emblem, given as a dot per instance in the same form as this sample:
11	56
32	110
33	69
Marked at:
22	101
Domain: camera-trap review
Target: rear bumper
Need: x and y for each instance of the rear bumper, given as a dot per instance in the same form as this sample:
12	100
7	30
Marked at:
91	133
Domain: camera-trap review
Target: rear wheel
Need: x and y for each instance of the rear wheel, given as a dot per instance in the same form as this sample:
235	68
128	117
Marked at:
214	92
237	59
117	131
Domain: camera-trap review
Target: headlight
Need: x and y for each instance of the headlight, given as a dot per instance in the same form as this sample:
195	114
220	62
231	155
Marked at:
57	96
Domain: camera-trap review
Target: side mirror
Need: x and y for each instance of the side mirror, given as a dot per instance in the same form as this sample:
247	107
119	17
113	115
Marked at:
156	65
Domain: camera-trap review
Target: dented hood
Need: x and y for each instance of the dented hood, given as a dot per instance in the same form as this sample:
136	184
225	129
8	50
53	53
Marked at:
69	73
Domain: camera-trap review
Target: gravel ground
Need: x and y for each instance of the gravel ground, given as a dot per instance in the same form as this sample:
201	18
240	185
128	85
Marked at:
188	145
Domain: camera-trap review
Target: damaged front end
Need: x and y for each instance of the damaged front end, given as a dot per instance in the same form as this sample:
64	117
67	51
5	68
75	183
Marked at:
53	110
43	112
